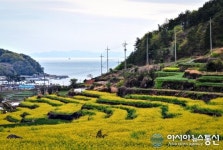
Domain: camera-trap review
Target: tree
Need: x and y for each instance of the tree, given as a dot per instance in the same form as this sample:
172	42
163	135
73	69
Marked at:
73	83
1	98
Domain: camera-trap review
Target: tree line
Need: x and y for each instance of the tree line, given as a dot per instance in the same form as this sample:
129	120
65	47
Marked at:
192	30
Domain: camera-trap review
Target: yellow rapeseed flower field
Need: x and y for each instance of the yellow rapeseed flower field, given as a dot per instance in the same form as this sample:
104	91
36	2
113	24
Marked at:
188	127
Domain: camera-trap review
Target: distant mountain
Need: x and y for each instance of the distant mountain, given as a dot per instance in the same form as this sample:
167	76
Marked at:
12	64
191	30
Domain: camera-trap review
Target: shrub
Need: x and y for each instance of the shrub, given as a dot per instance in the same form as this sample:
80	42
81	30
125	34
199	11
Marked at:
131	113
165	113
215	65
120	83
158	98
128	103
28	105
101	108
11	118
207	111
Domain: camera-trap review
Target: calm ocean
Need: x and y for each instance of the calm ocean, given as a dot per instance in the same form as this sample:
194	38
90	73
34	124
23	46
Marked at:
75	69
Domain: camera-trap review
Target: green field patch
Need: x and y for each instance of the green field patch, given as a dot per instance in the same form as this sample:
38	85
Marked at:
216	79
175	78
209	84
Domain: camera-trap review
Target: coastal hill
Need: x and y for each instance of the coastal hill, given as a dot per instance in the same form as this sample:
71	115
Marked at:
12	64
190	32
185	57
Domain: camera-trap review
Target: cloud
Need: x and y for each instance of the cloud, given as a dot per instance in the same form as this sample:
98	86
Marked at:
30	26
149	10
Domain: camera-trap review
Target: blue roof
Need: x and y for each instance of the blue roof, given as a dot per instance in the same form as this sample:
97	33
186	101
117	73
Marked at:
26	86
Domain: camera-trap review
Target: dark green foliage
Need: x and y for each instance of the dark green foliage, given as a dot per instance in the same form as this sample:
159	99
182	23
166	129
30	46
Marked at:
192	32
12	119
165	114
1	98
90	95
85	112
155	98
17	64
205	96
207	111
131	113
24	114
30	106
73	83
215	79
165	74
215	65
53	89
101	108
128	103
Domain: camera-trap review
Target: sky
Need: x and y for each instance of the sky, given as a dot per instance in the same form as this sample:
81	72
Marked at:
82	28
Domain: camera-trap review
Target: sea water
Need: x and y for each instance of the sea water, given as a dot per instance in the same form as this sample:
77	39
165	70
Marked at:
78	69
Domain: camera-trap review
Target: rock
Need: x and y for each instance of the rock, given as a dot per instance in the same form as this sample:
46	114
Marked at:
13	136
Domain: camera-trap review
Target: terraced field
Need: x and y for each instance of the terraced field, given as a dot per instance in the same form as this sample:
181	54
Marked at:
96	120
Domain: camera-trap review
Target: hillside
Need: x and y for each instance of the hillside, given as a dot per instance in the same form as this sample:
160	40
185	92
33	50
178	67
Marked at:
12	64
194	77
192	31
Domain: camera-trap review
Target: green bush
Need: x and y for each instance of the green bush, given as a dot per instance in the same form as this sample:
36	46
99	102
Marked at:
11	118
131	113
128	103
206	111
165	114
215	65
120	83
158	98
28	105
101	108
